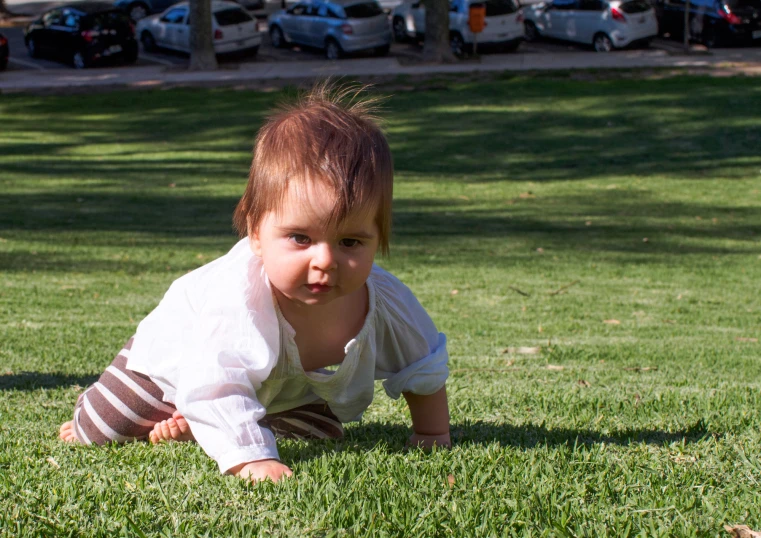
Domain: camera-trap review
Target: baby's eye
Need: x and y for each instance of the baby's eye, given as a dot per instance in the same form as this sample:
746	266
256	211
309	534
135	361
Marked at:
299	239
350	243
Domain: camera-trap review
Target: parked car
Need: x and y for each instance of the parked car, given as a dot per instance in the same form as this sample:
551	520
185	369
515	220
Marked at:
606	25
139	9
713	22
504	24
83	34
232	27
3	52
337	26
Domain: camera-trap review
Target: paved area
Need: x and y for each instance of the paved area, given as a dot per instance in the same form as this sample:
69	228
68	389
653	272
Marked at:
168	68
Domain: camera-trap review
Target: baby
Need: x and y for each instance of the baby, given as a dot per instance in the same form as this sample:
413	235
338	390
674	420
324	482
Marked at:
284	335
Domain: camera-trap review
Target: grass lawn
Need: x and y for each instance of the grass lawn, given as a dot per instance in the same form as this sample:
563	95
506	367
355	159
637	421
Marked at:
591	248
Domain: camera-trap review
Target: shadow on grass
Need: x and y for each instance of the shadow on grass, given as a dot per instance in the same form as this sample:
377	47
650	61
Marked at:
617	223
367	436
35	381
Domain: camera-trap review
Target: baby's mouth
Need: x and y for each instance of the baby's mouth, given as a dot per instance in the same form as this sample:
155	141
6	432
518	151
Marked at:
319	288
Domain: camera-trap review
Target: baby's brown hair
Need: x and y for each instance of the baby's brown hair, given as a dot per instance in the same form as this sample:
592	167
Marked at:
330	136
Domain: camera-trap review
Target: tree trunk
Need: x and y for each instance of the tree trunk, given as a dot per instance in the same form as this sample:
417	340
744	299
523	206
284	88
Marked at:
5	13
436	46
687	26
202	57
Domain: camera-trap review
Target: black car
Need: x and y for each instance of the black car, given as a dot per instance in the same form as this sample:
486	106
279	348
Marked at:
3	52
712	22
83	34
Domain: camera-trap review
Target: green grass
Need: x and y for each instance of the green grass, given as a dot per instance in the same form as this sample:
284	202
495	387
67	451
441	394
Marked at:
551	205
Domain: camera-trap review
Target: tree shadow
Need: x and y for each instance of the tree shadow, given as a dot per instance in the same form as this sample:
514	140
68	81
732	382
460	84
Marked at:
29	381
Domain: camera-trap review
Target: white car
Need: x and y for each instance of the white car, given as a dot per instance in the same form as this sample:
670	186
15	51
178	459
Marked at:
232	28
606	25
504	24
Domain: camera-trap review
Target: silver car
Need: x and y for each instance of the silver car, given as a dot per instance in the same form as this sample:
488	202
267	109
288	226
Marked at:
232	27
606	25
337	26
504	24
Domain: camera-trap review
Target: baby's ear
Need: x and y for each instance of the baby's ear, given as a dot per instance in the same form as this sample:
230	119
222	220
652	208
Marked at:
254	241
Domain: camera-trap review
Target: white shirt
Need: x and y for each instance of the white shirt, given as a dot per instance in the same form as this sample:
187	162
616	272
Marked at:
222	352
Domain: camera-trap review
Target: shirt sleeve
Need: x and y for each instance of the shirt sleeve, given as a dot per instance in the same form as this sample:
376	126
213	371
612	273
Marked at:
219	402
411	353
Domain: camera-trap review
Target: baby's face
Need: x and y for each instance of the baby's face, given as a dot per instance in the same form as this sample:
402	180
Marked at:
309	263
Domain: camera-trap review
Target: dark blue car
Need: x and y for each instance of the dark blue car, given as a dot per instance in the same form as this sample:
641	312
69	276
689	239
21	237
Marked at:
714	23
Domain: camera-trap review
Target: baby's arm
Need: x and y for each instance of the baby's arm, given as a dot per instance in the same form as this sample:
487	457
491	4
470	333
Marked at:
430	419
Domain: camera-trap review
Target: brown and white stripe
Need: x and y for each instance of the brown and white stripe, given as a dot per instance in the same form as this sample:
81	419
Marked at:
311	421
124	406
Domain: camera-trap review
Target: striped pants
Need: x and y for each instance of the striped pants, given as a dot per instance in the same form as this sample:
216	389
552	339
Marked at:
124	406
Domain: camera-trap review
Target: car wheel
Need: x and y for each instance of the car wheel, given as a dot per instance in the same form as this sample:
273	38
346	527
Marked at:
31	47
382	51
149	43
457	44
3	64
602	43
530	31
137	11
130	57
400	30
79	60
333	50
277	38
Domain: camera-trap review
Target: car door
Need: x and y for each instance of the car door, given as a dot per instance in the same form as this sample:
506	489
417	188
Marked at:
181	35
319	24
589	20
168	26
67	36
671	18
46	35
293	22
562	19
417	11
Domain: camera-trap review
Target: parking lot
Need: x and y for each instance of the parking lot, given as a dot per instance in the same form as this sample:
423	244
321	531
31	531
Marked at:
20	60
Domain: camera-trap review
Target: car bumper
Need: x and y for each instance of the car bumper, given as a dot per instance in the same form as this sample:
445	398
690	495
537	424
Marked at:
356	43
238	44
625	36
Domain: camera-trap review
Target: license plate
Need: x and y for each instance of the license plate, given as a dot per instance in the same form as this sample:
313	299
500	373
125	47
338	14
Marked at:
757	34
242	43
114	49
642	20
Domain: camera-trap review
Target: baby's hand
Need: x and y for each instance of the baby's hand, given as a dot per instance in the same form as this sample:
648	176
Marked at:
261	470
427	442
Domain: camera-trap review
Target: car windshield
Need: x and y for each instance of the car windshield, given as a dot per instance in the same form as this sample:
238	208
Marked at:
635	6
365	10
106	20
495	8
228	17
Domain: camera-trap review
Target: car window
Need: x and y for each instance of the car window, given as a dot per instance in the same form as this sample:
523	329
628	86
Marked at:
564	4
298	9
174	16
495	8
52	18
635	6
71	21
365	10
110	19
591	5
231	16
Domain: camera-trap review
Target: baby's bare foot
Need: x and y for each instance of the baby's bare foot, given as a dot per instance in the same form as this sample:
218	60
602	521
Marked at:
171	429
66	432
